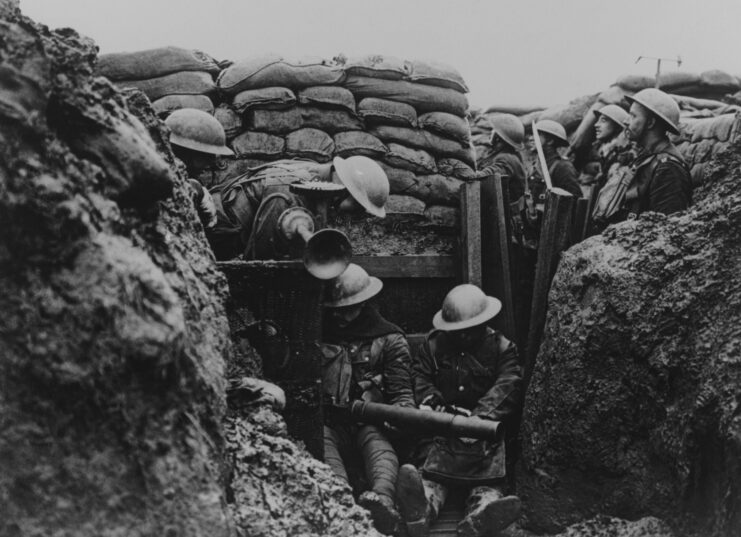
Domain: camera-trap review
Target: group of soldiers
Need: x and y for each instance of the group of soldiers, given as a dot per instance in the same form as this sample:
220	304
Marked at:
463	366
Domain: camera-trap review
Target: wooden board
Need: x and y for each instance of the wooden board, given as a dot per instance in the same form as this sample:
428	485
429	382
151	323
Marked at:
409	266
497	279
471	233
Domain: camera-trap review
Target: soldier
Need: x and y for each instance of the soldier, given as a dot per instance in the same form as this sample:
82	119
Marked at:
464	367
662	182
197	138
562	171
248	207
506	140
615	156
365	357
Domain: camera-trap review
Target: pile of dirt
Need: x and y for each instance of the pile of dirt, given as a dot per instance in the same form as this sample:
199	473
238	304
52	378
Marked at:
114	338
634	407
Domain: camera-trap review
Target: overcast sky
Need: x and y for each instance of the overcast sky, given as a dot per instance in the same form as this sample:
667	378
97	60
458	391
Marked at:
516	52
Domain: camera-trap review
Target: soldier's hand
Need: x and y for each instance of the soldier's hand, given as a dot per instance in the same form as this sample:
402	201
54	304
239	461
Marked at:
433	402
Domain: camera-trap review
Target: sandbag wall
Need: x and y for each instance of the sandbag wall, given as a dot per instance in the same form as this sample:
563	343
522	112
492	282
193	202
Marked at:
171	77
410	116
702	139
407	115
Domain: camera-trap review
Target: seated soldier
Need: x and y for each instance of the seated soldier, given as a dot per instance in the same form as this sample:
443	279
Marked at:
468	368
365	357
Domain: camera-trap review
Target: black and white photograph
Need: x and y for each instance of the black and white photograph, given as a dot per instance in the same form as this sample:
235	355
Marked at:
343	268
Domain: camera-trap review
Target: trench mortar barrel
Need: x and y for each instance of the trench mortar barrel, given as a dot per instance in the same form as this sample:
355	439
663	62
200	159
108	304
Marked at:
438	423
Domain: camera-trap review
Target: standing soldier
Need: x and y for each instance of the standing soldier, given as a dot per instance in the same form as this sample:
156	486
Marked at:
615	157
197	138
464	367
506	143
367	358
662	182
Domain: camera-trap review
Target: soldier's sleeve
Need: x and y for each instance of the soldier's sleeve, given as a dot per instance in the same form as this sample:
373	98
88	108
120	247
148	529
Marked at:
423	373
565	176
670	187
397	376
495	166
504	397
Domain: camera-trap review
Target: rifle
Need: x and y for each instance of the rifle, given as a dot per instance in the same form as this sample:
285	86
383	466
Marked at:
427	421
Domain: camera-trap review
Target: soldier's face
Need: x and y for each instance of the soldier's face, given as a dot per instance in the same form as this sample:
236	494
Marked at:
637	123
605	129
347	314
468	339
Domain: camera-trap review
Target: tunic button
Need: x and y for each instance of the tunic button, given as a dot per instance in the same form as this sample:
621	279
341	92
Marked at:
460	388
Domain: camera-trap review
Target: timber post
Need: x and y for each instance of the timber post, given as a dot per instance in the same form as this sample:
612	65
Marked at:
471	232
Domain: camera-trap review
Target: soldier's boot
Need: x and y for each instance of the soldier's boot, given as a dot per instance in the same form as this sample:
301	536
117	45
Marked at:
419	500
381	469
488	511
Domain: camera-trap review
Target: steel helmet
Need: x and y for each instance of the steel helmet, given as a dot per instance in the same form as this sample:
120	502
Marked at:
554	128
352	287
366	182
197	130
509	128
615	113
465	306
660	104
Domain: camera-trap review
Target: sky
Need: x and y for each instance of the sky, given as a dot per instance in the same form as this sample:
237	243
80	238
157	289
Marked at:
523	52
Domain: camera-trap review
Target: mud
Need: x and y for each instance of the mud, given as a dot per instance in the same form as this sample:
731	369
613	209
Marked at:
633	409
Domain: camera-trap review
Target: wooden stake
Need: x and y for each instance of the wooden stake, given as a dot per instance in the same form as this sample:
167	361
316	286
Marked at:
471	233
496	256
554	238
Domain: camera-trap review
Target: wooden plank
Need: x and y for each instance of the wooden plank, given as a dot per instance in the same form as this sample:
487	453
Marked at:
496	255
471	233
554	238
408	266
579	220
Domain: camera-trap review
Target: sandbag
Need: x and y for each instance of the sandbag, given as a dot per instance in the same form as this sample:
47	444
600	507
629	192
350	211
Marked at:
181	83
455	168
377	66
329	120
635	83
276	121
310	143
570	115
514	110
423	98
259	144
386	112
327	96
350	143
437	190
272	98
399	179
273	70
426	140
613	95
164	106
400	204
717	128
719	80
153	63
443	216
415	160
285	121
529	119
229	119
447	125
671	81
436	74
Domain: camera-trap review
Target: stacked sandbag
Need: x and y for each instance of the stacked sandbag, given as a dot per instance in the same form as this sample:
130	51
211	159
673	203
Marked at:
171	77
407	115
702	139
711	84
